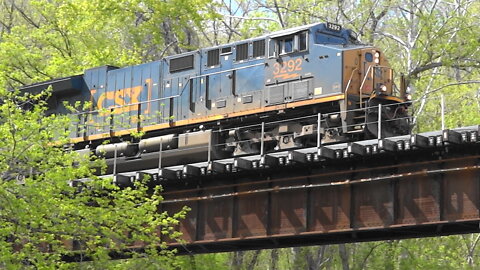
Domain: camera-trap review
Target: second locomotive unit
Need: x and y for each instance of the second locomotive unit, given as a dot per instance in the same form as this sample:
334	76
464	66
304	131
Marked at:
185	102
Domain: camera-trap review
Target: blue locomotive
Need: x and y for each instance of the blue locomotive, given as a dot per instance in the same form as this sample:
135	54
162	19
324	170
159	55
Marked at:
186	101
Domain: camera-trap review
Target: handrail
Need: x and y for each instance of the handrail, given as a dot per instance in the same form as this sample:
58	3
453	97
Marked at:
227	70
369	67
365	77
127	105
348	86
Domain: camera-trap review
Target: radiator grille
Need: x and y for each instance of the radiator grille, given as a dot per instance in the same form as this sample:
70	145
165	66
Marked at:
300	90
242	52
258	48
181	63
226	50
213	57
276	94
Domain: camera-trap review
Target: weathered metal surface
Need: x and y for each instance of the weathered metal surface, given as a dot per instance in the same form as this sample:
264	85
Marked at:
372	205
329	206
461	193
216	218
288	210
418	197
380	197
188	226
330	209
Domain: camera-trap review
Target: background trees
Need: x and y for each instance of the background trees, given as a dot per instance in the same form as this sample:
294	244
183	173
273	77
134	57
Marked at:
43	39
41	215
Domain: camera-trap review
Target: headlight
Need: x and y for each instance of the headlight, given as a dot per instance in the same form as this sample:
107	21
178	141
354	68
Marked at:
377	54
408	97
383	88
377	60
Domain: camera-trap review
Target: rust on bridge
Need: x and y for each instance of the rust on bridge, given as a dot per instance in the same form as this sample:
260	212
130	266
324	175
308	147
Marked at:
390	195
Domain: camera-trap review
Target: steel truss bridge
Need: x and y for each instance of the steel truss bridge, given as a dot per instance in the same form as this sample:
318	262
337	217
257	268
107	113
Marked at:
417	185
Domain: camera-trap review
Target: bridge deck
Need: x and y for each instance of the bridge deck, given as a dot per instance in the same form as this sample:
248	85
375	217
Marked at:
408	186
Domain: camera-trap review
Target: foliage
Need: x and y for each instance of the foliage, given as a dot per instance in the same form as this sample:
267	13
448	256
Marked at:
448	252
43	216
44	39
41	40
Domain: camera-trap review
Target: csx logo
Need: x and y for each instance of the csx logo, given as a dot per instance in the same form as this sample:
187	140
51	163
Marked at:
123	98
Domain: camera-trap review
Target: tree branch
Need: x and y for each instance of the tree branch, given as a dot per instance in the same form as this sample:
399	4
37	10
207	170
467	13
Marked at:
24	15
254	18
448	85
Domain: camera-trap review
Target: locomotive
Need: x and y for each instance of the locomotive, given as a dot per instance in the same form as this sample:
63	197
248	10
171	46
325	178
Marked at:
189	104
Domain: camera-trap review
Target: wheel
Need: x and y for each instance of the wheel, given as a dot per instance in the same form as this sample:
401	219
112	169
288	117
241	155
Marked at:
394	122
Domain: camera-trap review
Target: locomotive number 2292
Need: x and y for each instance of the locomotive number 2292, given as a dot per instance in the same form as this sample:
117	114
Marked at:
287	67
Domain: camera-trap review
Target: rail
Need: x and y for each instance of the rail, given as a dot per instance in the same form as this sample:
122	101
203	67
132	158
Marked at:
443	108
372	69
402	176
347	88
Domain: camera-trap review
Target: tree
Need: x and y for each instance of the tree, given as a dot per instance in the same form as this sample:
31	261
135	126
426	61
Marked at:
42	39
44	217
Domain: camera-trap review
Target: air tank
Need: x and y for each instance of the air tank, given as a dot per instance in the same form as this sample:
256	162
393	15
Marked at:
153	144
123	149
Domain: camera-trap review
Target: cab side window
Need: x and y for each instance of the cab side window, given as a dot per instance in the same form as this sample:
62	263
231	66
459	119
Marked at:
272	48
288	44
302	41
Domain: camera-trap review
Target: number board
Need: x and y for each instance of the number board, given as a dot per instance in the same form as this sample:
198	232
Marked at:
334	27
287	69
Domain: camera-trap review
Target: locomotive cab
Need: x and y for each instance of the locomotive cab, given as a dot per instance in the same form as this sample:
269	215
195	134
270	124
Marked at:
369	81
377	77
304	63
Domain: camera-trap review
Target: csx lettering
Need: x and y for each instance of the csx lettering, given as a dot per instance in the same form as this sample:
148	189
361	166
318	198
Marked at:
119	99
122	98
283	70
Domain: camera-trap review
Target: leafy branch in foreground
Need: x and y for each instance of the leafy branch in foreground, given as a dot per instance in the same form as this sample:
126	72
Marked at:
43	217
